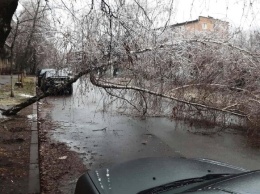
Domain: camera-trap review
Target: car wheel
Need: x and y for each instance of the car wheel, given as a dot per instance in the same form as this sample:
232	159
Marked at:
39	82
42	87
70	89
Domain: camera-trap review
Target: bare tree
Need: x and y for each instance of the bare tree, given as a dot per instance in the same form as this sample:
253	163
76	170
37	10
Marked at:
31	35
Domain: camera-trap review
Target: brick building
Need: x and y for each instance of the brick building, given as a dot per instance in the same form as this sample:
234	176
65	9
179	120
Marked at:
204	24
207	27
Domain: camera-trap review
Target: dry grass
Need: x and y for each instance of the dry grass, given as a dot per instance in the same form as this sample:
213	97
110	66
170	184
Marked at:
20	94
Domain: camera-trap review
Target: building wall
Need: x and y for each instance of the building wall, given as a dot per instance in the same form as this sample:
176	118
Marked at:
208	25
203	24
203	27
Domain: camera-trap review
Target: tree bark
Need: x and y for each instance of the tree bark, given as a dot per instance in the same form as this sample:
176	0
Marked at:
7	9
15	109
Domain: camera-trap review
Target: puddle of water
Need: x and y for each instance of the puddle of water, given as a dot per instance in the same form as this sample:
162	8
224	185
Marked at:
25	95
32	117
124	135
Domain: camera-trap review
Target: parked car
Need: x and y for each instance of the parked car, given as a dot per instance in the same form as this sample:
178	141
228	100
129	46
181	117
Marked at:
41	73
169	176
55	79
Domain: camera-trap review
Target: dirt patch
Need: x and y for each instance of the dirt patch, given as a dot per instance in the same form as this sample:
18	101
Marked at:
13	140
17	129
59	167
15	152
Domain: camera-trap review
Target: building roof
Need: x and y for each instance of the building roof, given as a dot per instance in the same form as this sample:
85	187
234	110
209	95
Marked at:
194	21
184	23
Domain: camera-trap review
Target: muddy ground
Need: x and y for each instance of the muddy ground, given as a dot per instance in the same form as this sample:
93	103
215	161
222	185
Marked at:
15	142
15	152
58	165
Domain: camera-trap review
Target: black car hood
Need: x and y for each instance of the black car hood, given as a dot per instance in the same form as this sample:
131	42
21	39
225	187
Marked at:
138	175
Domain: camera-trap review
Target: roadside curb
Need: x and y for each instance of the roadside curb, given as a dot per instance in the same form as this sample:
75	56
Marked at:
34	173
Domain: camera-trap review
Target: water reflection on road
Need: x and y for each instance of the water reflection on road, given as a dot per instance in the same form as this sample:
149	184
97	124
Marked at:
106	137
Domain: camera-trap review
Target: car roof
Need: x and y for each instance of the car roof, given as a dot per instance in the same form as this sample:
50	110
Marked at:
45	70
56	73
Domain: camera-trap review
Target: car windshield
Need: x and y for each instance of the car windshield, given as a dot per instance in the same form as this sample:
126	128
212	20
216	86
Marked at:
50	73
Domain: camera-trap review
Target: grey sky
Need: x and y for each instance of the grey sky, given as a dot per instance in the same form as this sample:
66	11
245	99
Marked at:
239	13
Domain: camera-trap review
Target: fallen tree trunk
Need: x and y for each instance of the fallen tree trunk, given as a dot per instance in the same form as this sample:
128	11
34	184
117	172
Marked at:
15	109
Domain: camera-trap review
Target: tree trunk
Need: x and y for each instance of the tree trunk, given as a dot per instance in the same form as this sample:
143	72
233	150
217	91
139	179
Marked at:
15	109
7	9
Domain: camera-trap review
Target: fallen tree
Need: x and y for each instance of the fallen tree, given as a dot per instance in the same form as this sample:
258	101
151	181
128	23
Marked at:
102	83
15	109
109	85
110	34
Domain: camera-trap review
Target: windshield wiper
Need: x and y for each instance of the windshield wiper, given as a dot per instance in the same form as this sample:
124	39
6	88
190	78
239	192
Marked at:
180	183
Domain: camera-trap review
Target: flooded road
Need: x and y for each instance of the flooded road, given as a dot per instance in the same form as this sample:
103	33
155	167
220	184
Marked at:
103	137
229	146
4	79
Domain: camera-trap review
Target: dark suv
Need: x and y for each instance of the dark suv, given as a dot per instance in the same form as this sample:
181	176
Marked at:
40	75
55	79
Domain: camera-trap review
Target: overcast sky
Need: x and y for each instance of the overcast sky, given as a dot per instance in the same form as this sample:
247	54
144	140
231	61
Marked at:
244	13
239	13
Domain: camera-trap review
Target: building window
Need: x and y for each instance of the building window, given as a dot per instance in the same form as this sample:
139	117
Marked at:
204	26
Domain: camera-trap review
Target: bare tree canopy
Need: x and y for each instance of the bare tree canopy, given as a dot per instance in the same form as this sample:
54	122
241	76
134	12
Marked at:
205	63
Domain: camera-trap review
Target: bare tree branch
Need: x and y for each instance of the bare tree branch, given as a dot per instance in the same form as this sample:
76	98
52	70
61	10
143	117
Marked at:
118	86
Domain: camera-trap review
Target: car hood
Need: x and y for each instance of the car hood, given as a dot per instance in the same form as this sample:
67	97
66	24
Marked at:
138	175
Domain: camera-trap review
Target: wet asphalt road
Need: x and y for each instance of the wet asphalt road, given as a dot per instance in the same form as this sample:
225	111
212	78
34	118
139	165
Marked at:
4	79
102	138
106	137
